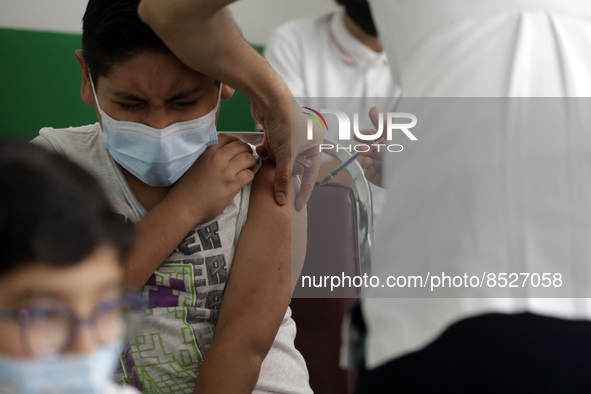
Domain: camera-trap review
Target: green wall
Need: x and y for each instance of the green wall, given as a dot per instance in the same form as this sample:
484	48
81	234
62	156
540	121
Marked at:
40	86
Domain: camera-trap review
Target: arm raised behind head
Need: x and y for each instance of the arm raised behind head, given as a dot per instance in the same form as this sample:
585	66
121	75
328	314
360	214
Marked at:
203	35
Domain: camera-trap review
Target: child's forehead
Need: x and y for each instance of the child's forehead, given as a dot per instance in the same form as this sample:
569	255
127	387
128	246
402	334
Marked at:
98	273
155	68
156	78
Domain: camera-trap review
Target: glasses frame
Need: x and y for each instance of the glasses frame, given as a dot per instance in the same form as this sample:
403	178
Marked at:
23	317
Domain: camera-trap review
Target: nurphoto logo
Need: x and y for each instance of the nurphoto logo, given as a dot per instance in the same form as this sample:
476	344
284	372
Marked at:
391	128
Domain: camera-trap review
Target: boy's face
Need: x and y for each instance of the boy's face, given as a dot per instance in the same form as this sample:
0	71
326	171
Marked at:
152	88
95	281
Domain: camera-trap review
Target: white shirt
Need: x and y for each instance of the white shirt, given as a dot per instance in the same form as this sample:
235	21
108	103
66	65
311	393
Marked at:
114	389
319	57
485	48
320	60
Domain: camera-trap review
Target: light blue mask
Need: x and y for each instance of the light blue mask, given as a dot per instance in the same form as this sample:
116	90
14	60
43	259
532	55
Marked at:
81	374
158	157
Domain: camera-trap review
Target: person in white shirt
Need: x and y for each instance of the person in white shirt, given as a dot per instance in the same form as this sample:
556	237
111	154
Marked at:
337	54
498	49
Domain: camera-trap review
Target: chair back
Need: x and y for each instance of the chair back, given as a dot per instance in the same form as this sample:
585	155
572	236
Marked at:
339	244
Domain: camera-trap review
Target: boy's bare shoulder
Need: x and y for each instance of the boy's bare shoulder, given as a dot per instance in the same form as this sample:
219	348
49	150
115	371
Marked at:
265	173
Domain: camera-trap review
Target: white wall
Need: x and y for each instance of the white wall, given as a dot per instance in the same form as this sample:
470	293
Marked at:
256	18
44	15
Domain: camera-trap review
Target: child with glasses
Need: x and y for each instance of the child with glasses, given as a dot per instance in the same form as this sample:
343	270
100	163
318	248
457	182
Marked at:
61	276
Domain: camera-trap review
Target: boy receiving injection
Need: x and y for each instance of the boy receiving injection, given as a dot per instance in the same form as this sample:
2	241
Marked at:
214	257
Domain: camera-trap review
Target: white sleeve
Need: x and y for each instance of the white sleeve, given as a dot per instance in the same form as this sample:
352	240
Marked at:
488	48
116	389
284	54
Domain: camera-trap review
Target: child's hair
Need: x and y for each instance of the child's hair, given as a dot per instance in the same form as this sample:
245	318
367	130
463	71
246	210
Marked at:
52	212
112	32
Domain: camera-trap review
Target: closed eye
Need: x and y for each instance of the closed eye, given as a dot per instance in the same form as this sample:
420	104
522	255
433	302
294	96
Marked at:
128	106
184	103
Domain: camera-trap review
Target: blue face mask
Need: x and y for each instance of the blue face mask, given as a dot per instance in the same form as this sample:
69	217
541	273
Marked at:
88	374
158	157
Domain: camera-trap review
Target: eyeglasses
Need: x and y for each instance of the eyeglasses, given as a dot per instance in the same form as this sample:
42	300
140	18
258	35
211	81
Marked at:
51	330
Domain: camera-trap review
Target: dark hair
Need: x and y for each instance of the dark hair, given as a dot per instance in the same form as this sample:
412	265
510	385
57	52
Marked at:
51	211
347	2
112	32
360	12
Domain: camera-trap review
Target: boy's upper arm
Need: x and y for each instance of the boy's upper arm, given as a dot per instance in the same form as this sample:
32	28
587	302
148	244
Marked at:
261	274
279	231
261	194
269	223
